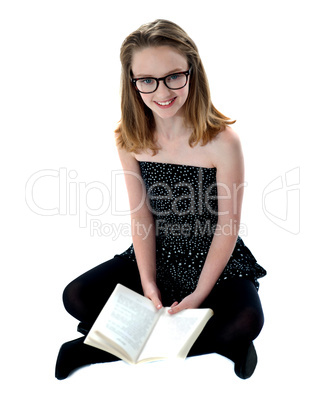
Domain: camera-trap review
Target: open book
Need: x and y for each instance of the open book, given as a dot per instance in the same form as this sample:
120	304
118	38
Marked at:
131	328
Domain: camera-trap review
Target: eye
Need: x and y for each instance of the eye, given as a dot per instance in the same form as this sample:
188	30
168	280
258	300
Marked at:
146	81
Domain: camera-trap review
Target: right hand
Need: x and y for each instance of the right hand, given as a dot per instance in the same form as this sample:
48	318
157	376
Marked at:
152	292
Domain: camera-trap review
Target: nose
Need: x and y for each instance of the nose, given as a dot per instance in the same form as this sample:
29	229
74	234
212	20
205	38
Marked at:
162	91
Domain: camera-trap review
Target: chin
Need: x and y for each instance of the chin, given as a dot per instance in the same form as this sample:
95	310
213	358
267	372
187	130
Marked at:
168	113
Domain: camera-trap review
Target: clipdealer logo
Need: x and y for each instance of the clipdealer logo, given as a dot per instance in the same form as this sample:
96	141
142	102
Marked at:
52	192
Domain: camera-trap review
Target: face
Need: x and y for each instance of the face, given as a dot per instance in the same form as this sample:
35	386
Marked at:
158	62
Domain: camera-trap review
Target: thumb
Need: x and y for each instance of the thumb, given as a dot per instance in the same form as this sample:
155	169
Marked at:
156	301
175	308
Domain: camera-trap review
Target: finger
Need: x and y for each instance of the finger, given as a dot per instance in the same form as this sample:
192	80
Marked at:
172	307
175	308
157	302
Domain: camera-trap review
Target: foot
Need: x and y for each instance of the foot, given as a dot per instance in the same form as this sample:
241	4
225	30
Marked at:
76	354
84	328
244	367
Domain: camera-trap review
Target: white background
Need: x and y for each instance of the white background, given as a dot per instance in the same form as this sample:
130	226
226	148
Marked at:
59	97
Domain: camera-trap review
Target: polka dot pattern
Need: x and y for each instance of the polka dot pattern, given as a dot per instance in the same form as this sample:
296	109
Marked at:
183	201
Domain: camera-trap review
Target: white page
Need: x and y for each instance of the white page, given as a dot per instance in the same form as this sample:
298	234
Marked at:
170	333
127	319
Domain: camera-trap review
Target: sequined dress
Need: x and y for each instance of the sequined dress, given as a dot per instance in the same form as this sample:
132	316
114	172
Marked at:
183	201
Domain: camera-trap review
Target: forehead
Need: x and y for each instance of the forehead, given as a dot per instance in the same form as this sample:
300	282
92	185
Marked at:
157	61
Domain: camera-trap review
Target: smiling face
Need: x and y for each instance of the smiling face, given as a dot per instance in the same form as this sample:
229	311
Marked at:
158	62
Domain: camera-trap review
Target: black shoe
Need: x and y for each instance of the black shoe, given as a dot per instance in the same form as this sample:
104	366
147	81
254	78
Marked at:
244	367
76	354
84	328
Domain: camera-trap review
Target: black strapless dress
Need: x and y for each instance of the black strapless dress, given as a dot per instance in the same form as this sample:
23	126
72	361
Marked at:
183	201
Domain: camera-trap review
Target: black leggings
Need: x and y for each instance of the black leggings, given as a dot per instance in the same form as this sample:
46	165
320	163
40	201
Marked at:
237	319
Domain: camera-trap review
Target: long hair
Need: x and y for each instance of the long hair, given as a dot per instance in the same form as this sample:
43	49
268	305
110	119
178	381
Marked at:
136	127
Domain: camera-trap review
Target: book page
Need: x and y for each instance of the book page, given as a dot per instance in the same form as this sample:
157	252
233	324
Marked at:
172	332
131	322
127	319
109	346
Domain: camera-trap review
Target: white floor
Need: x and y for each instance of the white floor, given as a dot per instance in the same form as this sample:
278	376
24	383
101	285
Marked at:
280	376
290	349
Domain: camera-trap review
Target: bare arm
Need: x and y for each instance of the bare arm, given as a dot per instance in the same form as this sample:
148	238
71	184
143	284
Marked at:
143	228
230	185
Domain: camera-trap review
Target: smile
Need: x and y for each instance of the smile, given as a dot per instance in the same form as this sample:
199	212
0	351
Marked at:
166	103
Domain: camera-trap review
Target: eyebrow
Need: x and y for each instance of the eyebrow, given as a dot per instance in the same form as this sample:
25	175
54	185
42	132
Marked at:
176	70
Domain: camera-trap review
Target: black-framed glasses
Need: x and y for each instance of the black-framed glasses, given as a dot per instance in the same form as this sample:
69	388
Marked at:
174	81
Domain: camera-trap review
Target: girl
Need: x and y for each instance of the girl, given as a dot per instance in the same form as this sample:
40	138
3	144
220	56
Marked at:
186	253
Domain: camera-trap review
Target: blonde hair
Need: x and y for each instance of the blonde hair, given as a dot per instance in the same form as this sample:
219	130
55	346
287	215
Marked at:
136	127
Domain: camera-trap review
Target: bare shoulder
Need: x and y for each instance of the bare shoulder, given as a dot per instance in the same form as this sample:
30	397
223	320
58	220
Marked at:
127	160
228	138
226	147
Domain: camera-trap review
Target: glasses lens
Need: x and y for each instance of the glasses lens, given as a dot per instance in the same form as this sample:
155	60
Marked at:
146	85
176	81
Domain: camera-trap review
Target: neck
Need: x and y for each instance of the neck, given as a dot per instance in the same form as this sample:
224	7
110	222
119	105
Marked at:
170	129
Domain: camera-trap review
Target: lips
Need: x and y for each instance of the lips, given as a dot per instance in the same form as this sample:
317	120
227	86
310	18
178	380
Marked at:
165	103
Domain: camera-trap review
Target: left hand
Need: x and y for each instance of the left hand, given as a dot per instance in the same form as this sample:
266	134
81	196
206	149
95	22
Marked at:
192	301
